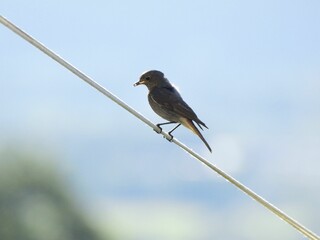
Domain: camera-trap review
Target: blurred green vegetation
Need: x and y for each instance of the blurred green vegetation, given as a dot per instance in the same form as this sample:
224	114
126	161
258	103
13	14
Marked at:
35	203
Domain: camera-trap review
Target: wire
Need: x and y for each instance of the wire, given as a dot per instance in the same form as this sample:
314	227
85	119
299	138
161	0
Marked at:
306	232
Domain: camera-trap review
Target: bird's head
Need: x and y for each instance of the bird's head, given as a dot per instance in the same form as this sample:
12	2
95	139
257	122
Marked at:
151	79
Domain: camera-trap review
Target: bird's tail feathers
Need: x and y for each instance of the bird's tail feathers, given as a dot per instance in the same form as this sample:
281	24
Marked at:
189	124
199	122
199	126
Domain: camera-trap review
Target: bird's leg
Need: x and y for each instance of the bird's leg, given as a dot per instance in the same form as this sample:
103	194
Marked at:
170	140
160	124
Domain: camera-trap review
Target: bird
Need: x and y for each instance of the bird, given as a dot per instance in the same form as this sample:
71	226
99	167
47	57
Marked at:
166	101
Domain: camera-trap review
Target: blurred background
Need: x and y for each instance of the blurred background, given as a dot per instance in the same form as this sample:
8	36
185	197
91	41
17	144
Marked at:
74	165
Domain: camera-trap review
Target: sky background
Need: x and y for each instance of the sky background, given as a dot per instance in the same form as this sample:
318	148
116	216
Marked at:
249	69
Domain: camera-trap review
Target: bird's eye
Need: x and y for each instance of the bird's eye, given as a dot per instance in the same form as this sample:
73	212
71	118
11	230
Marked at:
148	78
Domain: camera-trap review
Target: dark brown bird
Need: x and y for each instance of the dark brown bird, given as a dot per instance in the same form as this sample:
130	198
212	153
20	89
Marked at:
166	101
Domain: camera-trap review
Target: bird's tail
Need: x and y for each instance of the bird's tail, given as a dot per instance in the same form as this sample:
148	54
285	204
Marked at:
189	124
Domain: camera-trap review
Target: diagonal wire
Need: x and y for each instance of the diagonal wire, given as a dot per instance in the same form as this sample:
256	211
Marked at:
302	229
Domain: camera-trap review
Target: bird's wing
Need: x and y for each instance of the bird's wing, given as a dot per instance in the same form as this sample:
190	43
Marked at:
169	99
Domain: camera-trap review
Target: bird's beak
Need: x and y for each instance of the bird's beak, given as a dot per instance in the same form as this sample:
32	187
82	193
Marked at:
138	83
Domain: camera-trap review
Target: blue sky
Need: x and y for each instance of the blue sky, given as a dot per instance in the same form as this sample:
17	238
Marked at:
249	69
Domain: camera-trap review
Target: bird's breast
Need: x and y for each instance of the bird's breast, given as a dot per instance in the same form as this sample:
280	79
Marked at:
163	109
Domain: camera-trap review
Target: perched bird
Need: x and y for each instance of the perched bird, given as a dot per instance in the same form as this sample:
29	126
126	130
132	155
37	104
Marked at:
166	101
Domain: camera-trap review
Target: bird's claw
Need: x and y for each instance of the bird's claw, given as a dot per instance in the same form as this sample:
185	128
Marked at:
158	131
171	138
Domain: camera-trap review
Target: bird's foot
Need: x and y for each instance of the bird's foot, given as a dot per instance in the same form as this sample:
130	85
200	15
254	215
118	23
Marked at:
158	131
171	138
